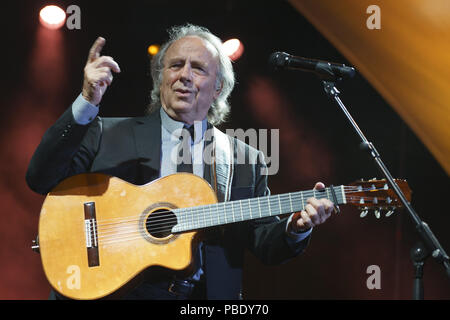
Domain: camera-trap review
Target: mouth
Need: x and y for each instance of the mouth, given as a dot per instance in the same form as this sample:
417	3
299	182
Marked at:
183	92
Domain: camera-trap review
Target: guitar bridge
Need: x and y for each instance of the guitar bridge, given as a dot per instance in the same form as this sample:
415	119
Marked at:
90	228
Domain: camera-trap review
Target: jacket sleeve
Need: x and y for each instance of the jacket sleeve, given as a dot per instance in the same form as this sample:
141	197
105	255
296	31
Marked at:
267	236
66	149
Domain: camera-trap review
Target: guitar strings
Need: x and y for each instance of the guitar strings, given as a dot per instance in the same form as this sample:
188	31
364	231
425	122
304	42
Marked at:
163	220
113	225
182	210
165	227
137	235
306	195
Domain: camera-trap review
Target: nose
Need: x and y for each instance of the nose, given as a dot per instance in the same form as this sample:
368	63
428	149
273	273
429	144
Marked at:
186	73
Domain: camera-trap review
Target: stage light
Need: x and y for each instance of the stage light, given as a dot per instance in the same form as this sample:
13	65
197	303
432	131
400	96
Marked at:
233	48
153	49
52	17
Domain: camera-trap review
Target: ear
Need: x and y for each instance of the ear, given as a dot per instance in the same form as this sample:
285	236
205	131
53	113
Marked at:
219	87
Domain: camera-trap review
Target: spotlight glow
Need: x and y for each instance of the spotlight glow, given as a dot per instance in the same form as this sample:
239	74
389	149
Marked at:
233	48
153	49
52	17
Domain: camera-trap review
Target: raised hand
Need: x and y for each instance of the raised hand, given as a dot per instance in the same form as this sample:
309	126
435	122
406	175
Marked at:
97	73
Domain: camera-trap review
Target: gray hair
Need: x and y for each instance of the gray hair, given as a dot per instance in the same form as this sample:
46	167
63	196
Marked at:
225	75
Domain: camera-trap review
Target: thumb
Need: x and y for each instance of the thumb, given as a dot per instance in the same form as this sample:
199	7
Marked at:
319	186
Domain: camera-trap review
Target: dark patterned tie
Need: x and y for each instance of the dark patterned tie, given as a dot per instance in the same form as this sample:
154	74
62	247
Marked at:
184	150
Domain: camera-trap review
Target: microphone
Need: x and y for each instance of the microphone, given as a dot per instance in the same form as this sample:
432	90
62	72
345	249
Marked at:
325	70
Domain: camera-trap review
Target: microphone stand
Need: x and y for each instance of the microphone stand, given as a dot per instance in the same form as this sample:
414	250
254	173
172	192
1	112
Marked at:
420	252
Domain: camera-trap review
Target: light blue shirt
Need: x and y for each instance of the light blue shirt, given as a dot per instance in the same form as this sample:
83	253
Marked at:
170	140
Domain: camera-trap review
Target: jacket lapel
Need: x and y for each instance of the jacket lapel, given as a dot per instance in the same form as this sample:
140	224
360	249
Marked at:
147	135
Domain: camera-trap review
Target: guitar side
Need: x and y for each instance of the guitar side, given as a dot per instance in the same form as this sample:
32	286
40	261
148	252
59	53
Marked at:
118	246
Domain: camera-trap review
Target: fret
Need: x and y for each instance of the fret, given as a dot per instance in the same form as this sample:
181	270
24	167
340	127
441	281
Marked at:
259	207
240	205
269	200
179	219
250	208
225	212
279	204
290	201
217	213
210	217
197	217
232	211
303	204
204	216
344	200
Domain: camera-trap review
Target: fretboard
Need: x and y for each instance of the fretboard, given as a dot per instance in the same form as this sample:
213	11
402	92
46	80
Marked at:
222	213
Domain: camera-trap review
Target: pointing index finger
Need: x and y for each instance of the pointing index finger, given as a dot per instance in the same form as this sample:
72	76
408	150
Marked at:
96	48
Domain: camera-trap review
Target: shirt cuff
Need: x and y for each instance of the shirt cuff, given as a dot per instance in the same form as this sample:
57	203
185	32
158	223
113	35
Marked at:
295	237
83	111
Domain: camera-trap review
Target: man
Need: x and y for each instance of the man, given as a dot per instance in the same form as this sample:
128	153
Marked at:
192	78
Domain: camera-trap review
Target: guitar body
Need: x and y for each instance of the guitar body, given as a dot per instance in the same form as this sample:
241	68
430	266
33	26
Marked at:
97	233
114	215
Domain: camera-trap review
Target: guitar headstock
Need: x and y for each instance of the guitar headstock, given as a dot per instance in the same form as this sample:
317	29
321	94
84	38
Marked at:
376	195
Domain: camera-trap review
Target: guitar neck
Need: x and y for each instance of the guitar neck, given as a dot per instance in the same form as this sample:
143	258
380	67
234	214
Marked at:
223	213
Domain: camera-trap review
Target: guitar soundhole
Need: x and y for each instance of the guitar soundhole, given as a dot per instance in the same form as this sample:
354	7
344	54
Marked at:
160	222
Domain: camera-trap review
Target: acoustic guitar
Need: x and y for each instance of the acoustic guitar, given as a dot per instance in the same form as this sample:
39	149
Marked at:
97	233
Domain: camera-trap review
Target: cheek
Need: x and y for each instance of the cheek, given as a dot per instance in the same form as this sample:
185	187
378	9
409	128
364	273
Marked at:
209	91
165	87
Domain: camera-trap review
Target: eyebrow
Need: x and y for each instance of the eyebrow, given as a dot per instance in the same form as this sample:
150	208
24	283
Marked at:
193	62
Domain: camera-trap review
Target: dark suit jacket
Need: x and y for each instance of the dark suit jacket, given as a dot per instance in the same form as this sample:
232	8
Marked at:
129	148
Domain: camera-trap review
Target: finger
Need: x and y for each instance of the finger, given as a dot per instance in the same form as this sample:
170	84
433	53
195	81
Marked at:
305	220
319	186
328	209
96	48
101	78
293	226
313	214
105	77
329	206
106	61
317	204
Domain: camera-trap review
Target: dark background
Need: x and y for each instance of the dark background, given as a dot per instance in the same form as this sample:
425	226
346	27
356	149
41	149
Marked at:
42	75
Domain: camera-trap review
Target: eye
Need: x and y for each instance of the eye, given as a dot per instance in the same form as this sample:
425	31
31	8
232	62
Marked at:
176	65
199	68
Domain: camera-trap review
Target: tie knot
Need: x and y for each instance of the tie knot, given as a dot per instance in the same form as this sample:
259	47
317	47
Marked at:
191	131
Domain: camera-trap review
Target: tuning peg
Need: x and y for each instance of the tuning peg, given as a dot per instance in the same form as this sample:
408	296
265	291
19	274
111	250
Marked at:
364	212
390	212
377	213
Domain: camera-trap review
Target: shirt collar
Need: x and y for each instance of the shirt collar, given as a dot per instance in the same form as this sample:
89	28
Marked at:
174	127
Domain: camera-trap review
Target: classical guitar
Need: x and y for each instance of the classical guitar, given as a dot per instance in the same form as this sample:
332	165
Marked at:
97	233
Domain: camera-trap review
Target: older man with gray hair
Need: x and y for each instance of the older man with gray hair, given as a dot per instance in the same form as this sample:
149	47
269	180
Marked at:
192	80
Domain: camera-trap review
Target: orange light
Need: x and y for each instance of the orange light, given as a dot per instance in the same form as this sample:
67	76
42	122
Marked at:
153	49
52	17
233	48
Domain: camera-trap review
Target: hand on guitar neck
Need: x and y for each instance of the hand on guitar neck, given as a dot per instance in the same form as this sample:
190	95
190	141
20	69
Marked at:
316	212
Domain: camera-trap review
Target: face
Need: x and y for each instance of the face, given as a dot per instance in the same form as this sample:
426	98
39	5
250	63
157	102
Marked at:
188	86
